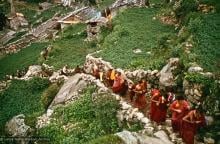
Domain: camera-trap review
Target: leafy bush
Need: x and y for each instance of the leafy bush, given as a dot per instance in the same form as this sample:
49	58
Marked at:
22	97
211	131
83	120
186	7
49	94
211	91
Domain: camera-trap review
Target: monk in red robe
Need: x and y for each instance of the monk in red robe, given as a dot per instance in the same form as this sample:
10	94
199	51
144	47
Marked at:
159	112
140	90
179	109
190	123
131	91
118	83
154	96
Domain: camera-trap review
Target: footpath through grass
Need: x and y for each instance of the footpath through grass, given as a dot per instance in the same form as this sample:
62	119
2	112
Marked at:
133	29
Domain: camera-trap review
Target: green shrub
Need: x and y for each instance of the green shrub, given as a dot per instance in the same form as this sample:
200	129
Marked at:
22	97
87	118
108	139
186	7
49	94
211	91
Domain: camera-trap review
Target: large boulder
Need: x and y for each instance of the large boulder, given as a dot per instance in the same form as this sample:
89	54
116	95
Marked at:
16	127
70	89
127	137
35	70
166	75
74	85
163	136
145	139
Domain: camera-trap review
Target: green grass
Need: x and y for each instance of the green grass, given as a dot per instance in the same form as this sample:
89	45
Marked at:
22	97
205	30
86	118
135	29
207	38
108	139
19	61
70	48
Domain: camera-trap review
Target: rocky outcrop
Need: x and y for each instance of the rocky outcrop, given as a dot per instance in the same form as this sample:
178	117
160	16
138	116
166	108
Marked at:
136	138
17	21
16	127
193	91
166	76
91	61
74	85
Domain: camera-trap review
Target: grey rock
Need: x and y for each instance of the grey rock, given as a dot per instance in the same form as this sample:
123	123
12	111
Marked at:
168	122
194	69
166	76
137	51
139	115
163	136
209	140
145	139
145	120
127	137
124	105
209	120
17	127
196	91
69	89
34	70
148	130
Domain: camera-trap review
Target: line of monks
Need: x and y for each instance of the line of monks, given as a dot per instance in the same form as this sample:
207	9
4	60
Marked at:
185	120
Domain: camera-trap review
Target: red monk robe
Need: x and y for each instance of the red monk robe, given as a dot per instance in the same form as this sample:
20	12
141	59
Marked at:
155	93
179	109
131	89
140	101
189	125
118	83
161	110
